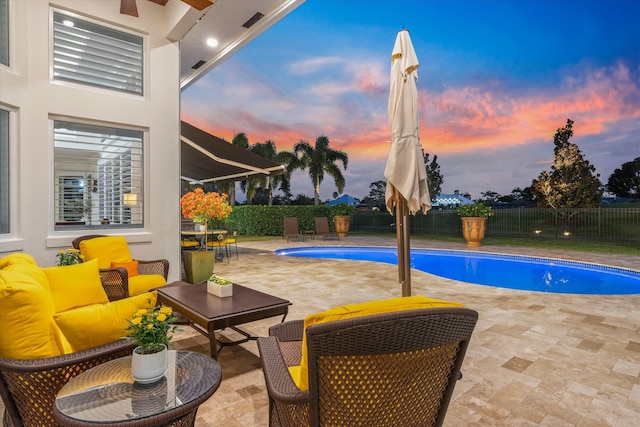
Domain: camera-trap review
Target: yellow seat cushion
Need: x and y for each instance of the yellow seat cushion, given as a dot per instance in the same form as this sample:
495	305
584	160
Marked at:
75	285
94	325
300	373
145	282
106	249
131	267
26	314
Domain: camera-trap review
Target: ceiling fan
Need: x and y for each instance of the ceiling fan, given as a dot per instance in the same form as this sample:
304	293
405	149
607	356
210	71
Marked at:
128	7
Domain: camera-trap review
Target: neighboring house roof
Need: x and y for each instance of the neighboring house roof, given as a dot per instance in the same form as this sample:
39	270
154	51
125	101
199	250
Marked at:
345	198
452	199
207	158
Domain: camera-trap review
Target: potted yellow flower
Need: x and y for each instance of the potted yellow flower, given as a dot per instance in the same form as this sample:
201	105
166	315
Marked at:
202	207
150	329
69	257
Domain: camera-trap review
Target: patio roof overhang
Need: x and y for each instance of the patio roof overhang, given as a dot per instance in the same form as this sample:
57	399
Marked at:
207	158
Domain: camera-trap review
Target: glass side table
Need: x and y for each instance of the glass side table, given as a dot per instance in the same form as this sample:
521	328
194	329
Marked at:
107	395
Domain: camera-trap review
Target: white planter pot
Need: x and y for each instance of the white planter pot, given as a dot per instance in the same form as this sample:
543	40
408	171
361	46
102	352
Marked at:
148	368
220	290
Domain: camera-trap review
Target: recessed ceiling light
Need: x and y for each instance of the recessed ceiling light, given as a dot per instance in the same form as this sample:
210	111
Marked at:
211	42
68	23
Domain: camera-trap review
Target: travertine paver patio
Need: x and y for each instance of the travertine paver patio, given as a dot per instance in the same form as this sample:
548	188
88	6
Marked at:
536	359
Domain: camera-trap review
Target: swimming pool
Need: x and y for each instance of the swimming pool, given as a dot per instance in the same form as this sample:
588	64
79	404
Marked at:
503	271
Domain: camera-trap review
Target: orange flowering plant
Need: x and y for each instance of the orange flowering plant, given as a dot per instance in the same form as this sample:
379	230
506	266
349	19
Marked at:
201	207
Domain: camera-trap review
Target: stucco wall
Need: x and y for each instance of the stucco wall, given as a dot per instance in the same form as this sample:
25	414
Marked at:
26	87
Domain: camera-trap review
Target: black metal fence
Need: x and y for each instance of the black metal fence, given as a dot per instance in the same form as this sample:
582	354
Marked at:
620	225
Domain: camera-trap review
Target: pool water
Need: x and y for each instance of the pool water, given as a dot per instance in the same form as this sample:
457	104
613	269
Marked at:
504	271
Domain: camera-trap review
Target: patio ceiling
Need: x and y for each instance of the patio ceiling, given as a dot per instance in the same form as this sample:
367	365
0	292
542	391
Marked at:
207	158
232	23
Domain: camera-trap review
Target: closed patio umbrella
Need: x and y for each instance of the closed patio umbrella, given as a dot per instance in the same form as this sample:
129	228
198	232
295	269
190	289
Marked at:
407	191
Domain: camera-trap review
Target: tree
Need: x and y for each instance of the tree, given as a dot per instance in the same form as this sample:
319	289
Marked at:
240	140
625	181
434	177
572	181
376	196
489	197
268	150
318	160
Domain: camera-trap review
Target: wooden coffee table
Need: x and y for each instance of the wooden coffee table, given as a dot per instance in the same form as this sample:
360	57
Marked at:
208	313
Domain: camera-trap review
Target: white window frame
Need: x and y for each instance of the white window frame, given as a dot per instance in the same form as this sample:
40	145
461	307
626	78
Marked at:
128	74
6	5
107	165
12	241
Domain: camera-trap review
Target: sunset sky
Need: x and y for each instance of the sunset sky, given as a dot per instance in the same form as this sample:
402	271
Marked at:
497	79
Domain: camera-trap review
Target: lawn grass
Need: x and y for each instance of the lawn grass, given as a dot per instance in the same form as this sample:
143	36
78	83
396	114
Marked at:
569	245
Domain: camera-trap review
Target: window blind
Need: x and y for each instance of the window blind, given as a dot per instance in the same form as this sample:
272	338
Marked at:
92	54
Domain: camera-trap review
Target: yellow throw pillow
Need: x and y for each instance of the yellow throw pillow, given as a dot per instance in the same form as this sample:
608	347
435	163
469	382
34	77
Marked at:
300	373
26	314
131	267
145	282
106	249
98	324
16	258
76	285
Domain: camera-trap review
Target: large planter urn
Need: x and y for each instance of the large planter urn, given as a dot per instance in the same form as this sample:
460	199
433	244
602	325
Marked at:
342	224
198	265
473	229
149	368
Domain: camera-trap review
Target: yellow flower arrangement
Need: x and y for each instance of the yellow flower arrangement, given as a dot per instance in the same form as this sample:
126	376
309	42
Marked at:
150	327
69	257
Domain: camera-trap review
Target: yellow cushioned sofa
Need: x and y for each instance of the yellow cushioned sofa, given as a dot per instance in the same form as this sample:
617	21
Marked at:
56	322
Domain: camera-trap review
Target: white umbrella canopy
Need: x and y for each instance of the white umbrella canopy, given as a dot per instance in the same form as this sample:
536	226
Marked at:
407	190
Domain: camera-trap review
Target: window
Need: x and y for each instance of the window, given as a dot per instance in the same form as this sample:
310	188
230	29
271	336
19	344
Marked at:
92	54
98	178
4	32
4	172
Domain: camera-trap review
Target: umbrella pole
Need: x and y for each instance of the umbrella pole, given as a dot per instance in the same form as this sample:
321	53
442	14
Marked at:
406	250
404	246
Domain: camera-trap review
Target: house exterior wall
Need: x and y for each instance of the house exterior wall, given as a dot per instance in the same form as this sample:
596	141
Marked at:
27	89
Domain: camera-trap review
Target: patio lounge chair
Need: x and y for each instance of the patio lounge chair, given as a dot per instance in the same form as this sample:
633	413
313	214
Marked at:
291	230
121	275
389	369
322	229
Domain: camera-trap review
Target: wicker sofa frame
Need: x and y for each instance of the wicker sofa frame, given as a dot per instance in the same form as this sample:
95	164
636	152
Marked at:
395	369
29	387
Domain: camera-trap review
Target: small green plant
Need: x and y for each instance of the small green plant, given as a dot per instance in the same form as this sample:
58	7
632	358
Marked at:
342	209
219	280
150	327
69	257
477	210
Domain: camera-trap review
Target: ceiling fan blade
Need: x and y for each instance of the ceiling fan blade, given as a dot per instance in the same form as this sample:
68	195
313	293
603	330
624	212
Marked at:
160	2
198	4
128	7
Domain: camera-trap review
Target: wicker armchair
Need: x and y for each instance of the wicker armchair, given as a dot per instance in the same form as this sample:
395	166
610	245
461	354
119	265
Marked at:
381	370
29	387
116	280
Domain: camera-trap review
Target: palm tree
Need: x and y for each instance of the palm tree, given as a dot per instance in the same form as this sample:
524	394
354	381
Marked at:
268	183
319	160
